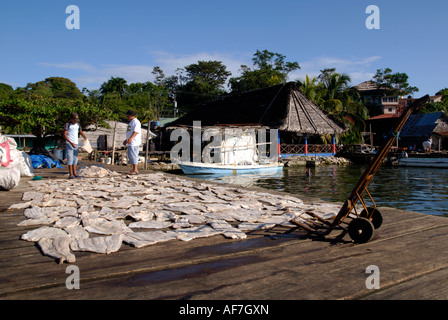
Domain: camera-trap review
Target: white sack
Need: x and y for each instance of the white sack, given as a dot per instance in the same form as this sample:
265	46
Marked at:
10	178
26	165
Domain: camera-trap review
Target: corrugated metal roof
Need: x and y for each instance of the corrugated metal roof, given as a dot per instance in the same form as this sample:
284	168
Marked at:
420	125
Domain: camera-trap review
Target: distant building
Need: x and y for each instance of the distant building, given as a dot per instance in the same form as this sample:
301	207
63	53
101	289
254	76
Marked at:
282	107
381	98
389	108
421	127
387	103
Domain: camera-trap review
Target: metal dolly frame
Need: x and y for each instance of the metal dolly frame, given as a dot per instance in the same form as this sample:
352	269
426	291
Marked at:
362	225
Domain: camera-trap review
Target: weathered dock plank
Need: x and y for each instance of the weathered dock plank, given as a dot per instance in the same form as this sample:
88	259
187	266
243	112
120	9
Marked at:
281	263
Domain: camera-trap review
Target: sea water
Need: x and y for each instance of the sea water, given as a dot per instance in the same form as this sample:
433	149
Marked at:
422	190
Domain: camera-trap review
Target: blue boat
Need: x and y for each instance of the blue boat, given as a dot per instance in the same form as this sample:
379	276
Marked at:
229	169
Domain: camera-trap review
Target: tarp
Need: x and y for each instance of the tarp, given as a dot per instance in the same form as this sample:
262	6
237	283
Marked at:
40	161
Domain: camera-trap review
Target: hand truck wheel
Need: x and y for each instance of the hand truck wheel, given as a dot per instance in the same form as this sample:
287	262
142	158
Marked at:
375	216
361	230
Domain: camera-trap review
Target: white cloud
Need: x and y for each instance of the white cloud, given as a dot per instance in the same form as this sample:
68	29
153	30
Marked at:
91	76
359	69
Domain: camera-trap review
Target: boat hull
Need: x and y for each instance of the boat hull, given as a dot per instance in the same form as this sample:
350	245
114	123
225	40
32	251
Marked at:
424	162
203	168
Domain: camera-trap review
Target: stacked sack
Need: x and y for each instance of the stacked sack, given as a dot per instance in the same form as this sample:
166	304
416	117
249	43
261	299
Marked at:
14	164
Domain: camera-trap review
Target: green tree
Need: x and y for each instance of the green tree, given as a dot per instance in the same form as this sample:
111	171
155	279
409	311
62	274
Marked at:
53	87
269	69
313	90
6	91
200	83
437	106
397	83
43	116
149	100
333	93
114	86
444	94
158	75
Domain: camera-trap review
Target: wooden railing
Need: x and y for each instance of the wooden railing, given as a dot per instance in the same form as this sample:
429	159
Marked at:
312	148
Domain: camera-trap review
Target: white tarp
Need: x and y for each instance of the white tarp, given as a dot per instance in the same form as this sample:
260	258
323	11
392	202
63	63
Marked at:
239	147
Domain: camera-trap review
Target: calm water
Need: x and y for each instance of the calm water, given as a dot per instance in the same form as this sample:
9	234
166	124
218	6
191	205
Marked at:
422	190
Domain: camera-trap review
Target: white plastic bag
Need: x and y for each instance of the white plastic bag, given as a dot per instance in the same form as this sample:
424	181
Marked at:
86	146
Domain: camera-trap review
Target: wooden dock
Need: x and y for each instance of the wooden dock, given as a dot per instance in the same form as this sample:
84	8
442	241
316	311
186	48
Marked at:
409	250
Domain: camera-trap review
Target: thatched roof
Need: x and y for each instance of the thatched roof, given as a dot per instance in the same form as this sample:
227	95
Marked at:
281	107
367	86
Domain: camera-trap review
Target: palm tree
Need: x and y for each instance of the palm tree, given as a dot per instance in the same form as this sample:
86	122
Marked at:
343	102
312	89
114	85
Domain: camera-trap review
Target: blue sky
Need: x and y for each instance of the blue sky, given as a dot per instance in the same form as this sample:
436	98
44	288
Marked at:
128	38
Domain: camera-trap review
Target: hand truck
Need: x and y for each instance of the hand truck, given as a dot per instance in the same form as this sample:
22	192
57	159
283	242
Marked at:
362	225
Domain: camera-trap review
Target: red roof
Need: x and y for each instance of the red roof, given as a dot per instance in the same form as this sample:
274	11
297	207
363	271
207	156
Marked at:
385	116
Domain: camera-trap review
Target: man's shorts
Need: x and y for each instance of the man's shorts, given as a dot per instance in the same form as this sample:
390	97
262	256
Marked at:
72	154
133	154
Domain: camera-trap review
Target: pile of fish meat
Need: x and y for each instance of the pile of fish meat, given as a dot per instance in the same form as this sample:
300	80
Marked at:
100	214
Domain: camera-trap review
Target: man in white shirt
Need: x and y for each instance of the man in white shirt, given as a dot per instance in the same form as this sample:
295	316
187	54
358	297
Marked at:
72	130
133	140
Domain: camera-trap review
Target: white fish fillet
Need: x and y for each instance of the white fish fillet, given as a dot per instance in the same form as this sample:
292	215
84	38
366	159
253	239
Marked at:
32	195
58	203
77	232
58	248
21	205
34	213
67	222
228	231
181	224
106	244
189	234
43	232
255	226
142	239
34	222
152	224
104	226
141	215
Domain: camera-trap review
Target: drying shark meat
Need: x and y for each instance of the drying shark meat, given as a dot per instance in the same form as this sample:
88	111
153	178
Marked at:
108	244
57	248
143	239
227	230
44	232
98	214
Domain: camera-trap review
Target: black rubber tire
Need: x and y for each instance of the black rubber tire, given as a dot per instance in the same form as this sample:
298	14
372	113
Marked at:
376	218
361	230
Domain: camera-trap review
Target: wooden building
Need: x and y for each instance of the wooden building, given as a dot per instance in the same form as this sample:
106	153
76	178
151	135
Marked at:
421	127
281	107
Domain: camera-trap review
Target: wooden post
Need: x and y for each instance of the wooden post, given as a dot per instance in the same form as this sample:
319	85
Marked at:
306	144
113	143
147	146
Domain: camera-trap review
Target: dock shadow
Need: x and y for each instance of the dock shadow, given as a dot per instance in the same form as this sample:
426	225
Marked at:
284	233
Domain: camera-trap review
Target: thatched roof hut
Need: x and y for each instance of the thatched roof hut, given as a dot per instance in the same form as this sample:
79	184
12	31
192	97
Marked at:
281	107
